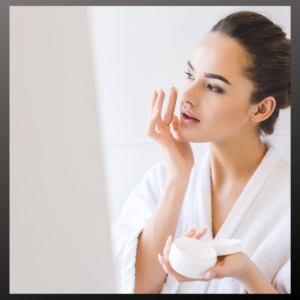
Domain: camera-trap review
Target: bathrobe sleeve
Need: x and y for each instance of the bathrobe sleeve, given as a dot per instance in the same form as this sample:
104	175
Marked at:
135	216
282	281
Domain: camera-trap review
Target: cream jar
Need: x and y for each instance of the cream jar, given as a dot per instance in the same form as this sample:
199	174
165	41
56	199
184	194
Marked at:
191	257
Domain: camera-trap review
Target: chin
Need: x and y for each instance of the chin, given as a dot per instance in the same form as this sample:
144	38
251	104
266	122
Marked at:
192	136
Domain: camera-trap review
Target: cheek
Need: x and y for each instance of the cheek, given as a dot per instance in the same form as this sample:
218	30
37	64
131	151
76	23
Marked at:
227	115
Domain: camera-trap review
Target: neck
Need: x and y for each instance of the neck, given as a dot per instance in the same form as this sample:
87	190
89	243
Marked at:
235	158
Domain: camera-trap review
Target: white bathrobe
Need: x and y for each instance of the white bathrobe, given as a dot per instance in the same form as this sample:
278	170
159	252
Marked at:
260	218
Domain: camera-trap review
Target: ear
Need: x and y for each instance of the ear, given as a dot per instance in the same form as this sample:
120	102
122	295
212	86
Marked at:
263	109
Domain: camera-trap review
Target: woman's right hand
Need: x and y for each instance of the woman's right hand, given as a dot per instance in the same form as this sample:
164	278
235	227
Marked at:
177	153
164	260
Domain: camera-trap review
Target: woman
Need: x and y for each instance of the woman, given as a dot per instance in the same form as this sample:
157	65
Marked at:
238	80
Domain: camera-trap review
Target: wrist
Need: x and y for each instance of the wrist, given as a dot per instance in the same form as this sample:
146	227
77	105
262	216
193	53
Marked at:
254	281
182	175
176	187
178	179
247	272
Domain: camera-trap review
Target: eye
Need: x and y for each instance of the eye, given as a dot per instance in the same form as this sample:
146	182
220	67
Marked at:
214	89
210	86
189	75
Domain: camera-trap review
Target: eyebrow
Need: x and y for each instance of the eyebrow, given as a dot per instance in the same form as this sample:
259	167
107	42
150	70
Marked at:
210	75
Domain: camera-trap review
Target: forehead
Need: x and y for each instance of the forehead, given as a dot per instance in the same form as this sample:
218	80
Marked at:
219	54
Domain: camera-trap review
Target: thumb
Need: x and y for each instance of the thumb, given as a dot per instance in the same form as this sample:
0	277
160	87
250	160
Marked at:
174	126
218	272
175	122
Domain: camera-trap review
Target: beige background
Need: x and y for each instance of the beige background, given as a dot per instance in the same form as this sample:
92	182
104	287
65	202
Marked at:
59	230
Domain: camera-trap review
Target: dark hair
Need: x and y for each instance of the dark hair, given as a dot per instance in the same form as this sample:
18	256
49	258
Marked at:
269	51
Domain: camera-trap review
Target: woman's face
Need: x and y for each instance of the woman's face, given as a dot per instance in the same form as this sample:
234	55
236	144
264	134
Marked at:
223	108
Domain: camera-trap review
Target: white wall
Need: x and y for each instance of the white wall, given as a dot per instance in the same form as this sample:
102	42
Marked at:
59	228
137	49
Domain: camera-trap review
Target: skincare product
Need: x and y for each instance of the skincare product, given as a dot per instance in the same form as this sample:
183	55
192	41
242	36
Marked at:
191	257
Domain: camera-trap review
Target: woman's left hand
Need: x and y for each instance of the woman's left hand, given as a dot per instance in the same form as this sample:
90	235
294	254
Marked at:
233	265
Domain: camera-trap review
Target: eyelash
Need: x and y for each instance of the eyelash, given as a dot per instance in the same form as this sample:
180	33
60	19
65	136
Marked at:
213	89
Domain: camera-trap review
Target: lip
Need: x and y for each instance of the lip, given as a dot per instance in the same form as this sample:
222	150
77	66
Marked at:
188	113
188	121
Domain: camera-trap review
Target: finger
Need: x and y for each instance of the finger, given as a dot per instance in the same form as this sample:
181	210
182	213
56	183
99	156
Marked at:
165	263
152	102
150	131
169	270
159	101
219	272
190	233
205	280
175	123
168	116
168	247
174	127
199	234
159	124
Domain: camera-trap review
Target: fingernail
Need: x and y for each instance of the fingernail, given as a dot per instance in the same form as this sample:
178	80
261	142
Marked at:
171	89
160	89
159	258
176	91
192	229
202	229
169	240
153	92
210	275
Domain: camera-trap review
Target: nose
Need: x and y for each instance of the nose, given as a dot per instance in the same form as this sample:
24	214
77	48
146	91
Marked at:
191	95
187	101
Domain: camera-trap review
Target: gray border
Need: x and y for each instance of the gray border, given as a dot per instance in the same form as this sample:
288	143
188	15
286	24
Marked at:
4	83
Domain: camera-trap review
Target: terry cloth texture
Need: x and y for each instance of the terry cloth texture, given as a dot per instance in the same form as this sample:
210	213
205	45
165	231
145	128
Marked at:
260	218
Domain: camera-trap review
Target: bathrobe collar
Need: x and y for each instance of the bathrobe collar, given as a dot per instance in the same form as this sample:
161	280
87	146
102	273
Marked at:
244	201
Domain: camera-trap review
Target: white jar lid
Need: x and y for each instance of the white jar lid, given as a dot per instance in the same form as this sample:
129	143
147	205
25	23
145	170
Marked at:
191	257
225	247
194	250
